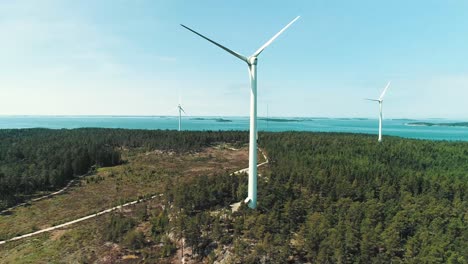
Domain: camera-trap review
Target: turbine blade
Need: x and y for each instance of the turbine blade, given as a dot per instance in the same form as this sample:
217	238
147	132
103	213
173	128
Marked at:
273	38
182	110
219	45
384	91
371	99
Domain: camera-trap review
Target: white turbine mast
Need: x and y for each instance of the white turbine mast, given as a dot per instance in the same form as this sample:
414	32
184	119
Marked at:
252	64
380	100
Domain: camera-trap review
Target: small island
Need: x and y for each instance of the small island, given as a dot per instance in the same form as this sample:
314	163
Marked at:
213	119
222	120
455	124
280	120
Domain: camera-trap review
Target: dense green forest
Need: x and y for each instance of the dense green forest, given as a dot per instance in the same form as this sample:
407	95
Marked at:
34	160
336	198
323	197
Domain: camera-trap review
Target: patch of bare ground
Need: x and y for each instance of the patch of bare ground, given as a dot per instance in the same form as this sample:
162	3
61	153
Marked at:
57	234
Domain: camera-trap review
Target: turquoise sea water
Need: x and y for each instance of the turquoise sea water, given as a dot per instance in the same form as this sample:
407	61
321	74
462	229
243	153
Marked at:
394	127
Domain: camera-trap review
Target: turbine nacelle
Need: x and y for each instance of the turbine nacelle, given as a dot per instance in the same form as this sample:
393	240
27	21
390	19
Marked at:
252	60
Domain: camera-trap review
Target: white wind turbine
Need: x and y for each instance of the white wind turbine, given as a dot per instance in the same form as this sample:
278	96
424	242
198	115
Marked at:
380	100
252	64
179	107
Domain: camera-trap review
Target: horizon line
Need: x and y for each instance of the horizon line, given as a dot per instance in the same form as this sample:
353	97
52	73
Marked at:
237	116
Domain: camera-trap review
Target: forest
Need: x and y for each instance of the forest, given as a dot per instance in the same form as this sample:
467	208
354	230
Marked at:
336	198
33	160
323	197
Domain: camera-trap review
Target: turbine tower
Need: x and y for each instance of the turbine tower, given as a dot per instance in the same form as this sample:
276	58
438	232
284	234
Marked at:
252	64
380	100
179	107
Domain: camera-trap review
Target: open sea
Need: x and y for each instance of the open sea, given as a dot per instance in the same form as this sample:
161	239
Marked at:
394	127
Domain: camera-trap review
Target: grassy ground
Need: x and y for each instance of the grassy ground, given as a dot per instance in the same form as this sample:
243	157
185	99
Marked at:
81	243
145	173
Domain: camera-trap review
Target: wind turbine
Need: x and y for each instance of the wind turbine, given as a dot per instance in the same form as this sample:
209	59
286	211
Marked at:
179	107
252	64
380	100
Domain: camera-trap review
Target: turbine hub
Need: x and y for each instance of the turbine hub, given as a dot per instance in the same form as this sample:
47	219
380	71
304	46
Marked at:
253	60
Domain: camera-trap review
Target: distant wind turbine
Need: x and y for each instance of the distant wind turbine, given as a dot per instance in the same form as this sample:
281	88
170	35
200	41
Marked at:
380	100
252	64
179	107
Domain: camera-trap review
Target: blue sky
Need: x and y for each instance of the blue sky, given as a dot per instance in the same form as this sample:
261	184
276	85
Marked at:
133	58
